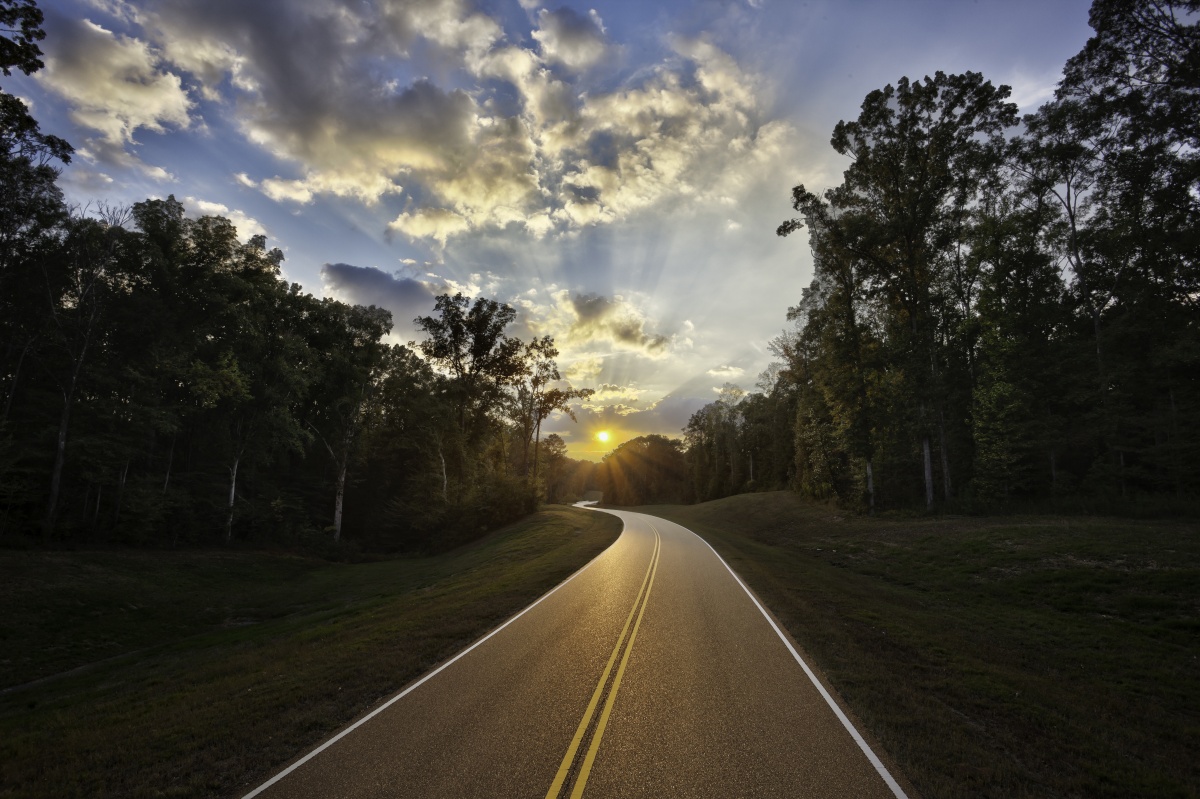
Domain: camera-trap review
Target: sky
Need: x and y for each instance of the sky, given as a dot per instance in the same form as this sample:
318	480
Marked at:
615	170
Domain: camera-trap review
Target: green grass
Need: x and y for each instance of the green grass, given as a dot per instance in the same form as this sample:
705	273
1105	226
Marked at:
139	674
991	657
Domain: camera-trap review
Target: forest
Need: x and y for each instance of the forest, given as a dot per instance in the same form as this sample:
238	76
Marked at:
1003	312
164	386
1004	309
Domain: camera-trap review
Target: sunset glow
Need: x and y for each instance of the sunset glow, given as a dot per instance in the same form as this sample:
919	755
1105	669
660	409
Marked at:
602	436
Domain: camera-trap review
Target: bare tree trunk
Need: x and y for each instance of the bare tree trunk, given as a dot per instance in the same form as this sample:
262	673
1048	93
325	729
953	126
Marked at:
445	481
232	494
537	441
946	486
337	504
170	462
870	489
96	510
60	451
928	472
120	494
1174	447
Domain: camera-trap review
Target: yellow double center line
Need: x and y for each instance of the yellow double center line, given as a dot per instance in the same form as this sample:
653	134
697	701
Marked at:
585	769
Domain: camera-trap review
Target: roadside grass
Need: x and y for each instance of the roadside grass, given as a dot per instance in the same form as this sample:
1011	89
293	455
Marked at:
991	657
203	673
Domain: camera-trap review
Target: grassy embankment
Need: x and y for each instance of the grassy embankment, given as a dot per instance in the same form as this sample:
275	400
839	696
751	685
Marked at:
204	671
992	657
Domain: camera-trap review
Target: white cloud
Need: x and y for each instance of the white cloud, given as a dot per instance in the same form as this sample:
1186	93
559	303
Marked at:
114	85
568	154
246	226
433	223
727	372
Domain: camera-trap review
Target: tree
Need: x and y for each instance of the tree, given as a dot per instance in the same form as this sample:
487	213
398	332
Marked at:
20	31
79	288
347	340
643	470
1118	149
468	342
921	153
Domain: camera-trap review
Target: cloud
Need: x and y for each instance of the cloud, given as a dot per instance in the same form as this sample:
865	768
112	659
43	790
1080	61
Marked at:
115	85
535	139
727	372
434	223
610	320
568	38
247	226
406	297
584	370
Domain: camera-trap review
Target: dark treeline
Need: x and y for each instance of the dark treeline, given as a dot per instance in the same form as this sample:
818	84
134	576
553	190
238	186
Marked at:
644	470
1004	309
161	384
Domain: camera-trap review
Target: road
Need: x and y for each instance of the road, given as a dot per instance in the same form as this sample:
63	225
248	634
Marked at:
652	672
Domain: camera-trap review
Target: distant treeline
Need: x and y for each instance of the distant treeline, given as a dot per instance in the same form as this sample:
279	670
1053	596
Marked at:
1004	309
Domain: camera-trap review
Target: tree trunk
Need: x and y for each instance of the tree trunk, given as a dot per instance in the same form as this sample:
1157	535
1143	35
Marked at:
120	494
60	451
536	447
445	481
870	489
946	485
233	470
170	462
1174	447
96	510
337	505
928	472
12	387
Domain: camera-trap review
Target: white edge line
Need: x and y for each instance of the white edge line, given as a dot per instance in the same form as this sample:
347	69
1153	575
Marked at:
897	791
414	686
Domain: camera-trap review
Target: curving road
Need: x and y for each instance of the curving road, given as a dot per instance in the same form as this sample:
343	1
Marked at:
650	672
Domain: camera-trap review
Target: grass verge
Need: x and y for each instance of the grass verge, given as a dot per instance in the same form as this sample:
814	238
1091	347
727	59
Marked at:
133	674
992	657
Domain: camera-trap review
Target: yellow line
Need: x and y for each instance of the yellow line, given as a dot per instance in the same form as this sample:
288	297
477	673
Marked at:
586	769
565	767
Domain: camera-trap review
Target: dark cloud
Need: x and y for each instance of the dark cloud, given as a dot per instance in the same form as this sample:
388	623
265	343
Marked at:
570	38
406	297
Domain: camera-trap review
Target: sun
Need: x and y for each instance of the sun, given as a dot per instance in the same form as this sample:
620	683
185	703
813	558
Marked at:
603	436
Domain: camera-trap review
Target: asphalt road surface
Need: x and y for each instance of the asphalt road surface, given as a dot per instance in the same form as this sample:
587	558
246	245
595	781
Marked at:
651	672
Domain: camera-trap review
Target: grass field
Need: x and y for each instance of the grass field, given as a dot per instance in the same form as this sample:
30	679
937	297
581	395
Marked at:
189	674
992	657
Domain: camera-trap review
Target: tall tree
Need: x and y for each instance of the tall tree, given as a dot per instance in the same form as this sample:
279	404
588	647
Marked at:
921	151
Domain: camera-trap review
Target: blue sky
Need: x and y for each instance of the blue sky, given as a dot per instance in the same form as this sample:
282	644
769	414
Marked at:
615	170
